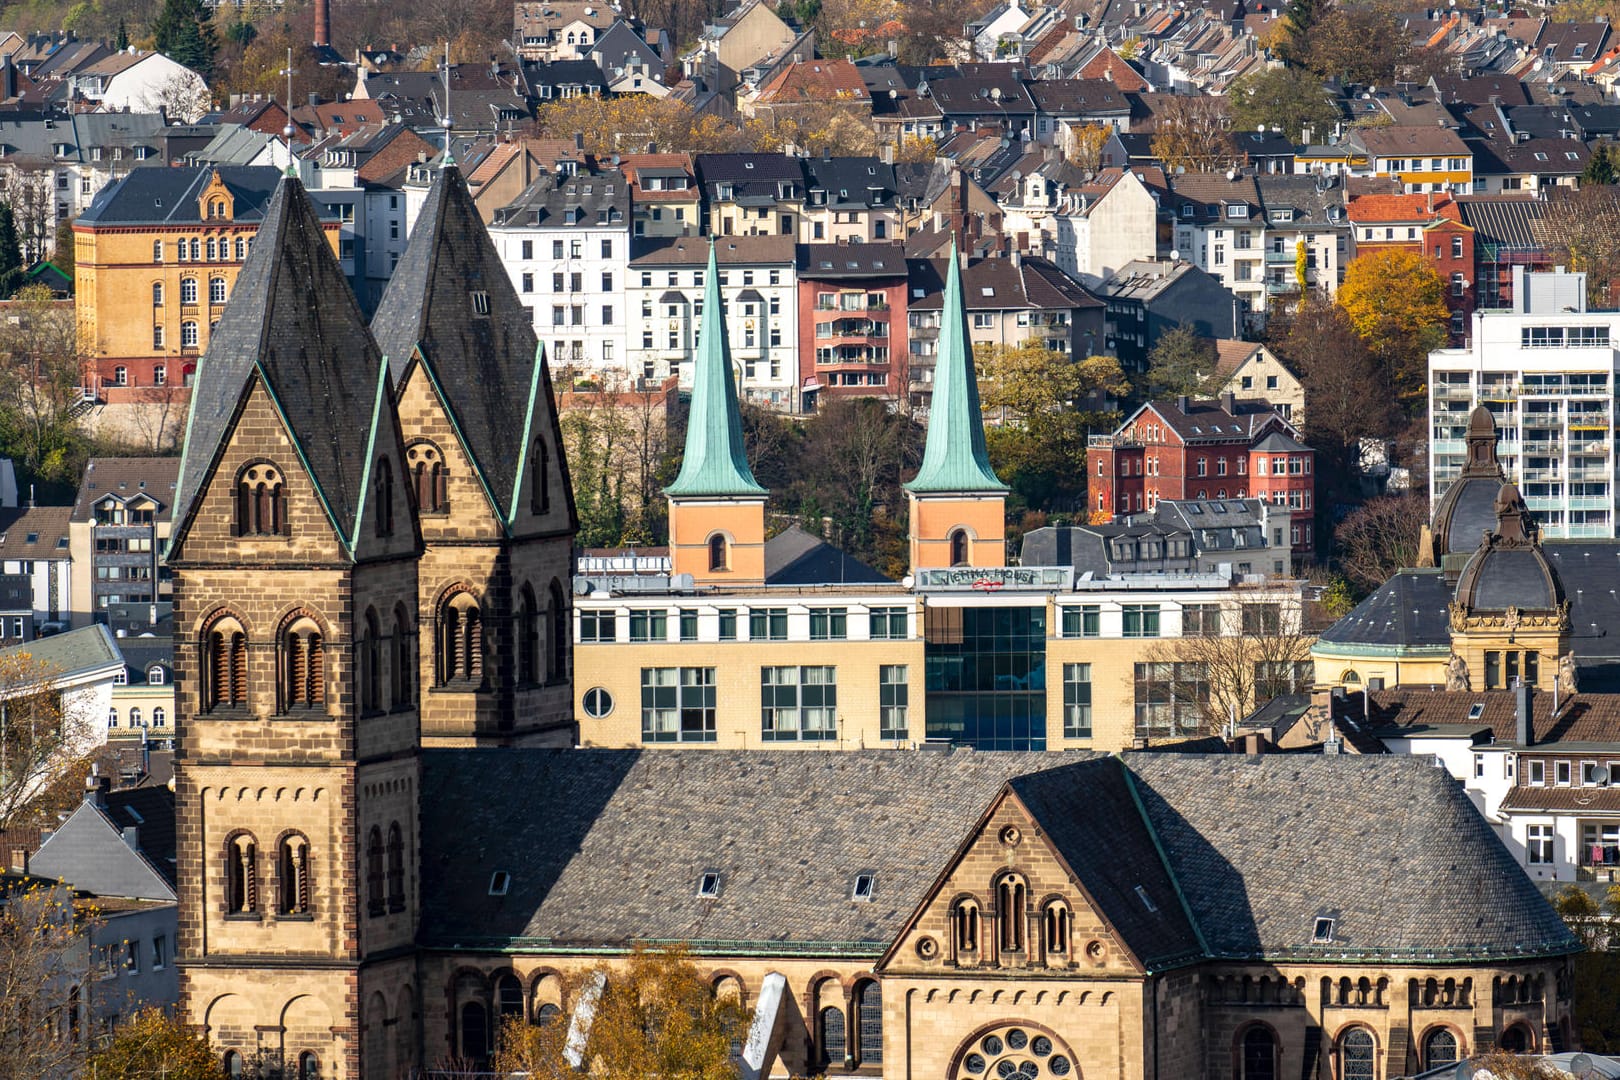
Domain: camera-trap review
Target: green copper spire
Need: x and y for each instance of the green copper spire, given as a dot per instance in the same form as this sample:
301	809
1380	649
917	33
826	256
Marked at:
715	461
954	458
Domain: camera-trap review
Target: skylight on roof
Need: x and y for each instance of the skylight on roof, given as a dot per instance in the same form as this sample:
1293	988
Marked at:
709	884
861	891
1141	894
1322	932
499	882
1476	710
1194	508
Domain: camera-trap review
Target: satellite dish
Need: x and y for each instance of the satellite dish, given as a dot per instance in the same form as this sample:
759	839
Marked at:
1601	777
1175	256
1580	1065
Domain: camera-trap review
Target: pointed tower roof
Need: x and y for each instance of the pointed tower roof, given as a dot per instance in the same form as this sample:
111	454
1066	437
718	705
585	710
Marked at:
451	302
292	320
716	462
955	458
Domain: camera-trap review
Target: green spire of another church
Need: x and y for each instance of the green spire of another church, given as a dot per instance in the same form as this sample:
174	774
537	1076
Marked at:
715	462
955	458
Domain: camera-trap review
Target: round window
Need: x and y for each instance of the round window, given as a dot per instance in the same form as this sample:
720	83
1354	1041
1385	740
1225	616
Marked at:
598	702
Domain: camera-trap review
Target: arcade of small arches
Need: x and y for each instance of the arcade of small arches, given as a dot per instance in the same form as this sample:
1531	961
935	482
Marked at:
301	669
543	640
1011	929
289	876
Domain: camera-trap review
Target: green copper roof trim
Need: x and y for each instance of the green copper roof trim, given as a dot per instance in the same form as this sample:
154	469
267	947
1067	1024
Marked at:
461	440
716	461
371	454
1415	652
1164	856
535	381
303	459
955	458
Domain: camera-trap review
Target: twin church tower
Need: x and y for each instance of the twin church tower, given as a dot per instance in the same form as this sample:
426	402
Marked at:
371	559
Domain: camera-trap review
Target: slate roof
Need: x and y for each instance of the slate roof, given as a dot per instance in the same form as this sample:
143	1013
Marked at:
794	557
169	196
827	262
1583	719
293	320
642	827
1186	856
1406	612
1244	835
35	532
862	182
62	656
127	477
484	366
1087	810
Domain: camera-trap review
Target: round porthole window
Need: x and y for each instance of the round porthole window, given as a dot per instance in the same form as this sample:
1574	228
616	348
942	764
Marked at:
598	702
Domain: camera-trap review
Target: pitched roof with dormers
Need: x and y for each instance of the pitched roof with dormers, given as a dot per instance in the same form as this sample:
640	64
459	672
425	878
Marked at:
814	80
293	324
124	478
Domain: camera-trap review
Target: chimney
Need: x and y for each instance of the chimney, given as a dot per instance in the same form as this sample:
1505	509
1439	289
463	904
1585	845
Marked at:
96	787
132	837
323	22
1184	403
1523	715
1229	402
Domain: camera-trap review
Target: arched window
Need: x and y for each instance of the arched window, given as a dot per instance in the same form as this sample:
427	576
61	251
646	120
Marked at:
225	672
233	1065
719	553
461	641
216	287
1259	1054
869	1022
1055	930
241	876
302	658
428	477
1010	913
474	1032
157	294
292	875
188	290
1514	1040
309	1066
135	716
547	1013
196	251
384	488
561	638
965	927
159	717
260	501
508	997
374	871
833	1048
1439	1048
1356	1054
403	688
959	547
540	479
368	662
528	643
396	868
188	334
157	251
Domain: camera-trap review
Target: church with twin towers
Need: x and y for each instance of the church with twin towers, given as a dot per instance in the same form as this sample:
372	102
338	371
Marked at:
389	846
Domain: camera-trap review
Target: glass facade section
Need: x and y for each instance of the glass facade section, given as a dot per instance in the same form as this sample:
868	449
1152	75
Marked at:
985	671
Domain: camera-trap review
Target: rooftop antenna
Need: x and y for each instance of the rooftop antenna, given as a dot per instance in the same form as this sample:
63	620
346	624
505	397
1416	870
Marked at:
449	154
287	132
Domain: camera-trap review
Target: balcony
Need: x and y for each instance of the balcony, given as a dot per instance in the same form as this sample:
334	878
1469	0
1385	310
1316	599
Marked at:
1112	442
1453	392
1589	503
1280	257
880	305
1541	474
1542	421
1448	446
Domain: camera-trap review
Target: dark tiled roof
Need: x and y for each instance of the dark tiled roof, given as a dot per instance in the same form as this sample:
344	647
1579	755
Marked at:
1586	719
826	261
35	532
1245	836
1088	812
794	557
169	196
483	365
1509	578
292	319
744	168
1407	611
64	655
126	478
149	810
1502	221
610	844
694	251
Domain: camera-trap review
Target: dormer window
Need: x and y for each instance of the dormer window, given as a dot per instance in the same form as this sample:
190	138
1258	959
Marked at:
480	303
1237	211
154	675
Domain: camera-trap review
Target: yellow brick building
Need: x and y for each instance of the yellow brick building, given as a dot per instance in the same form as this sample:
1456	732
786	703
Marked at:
156	258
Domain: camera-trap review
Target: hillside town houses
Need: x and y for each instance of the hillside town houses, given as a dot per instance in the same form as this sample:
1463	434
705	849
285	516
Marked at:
1082	787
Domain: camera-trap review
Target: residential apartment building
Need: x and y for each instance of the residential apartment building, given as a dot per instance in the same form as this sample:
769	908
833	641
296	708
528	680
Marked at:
1431	227
1304	214
665	301
35	544
1432	159
1546	371
1105	224
664	195
1225	449
1147	297
566	245
850	200
1220	228
118	532
752	194
853	323
156	256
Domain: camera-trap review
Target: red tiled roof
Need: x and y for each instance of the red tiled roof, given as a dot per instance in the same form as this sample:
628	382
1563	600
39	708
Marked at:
1364	209
1108	64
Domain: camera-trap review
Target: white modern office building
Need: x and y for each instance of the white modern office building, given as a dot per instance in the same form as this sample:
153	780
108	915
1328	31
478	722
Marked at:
1547	372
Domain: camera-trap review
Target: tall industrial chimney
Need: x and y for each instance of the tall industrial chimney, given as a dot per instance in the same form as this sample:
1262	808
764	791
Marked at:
323	24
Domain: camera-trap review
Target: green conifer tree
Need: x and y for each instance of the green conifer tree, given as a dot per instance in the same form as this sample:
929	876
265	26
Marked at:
184	32
11	262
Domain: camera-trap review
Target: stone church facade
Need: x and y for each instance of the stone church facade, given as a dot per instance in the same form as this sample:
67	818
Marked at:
386	845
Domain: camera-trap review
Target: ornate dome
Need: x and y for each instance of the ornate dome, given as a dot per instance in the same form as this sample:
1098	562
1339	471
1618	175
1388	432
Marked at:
1508	571
1468	508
